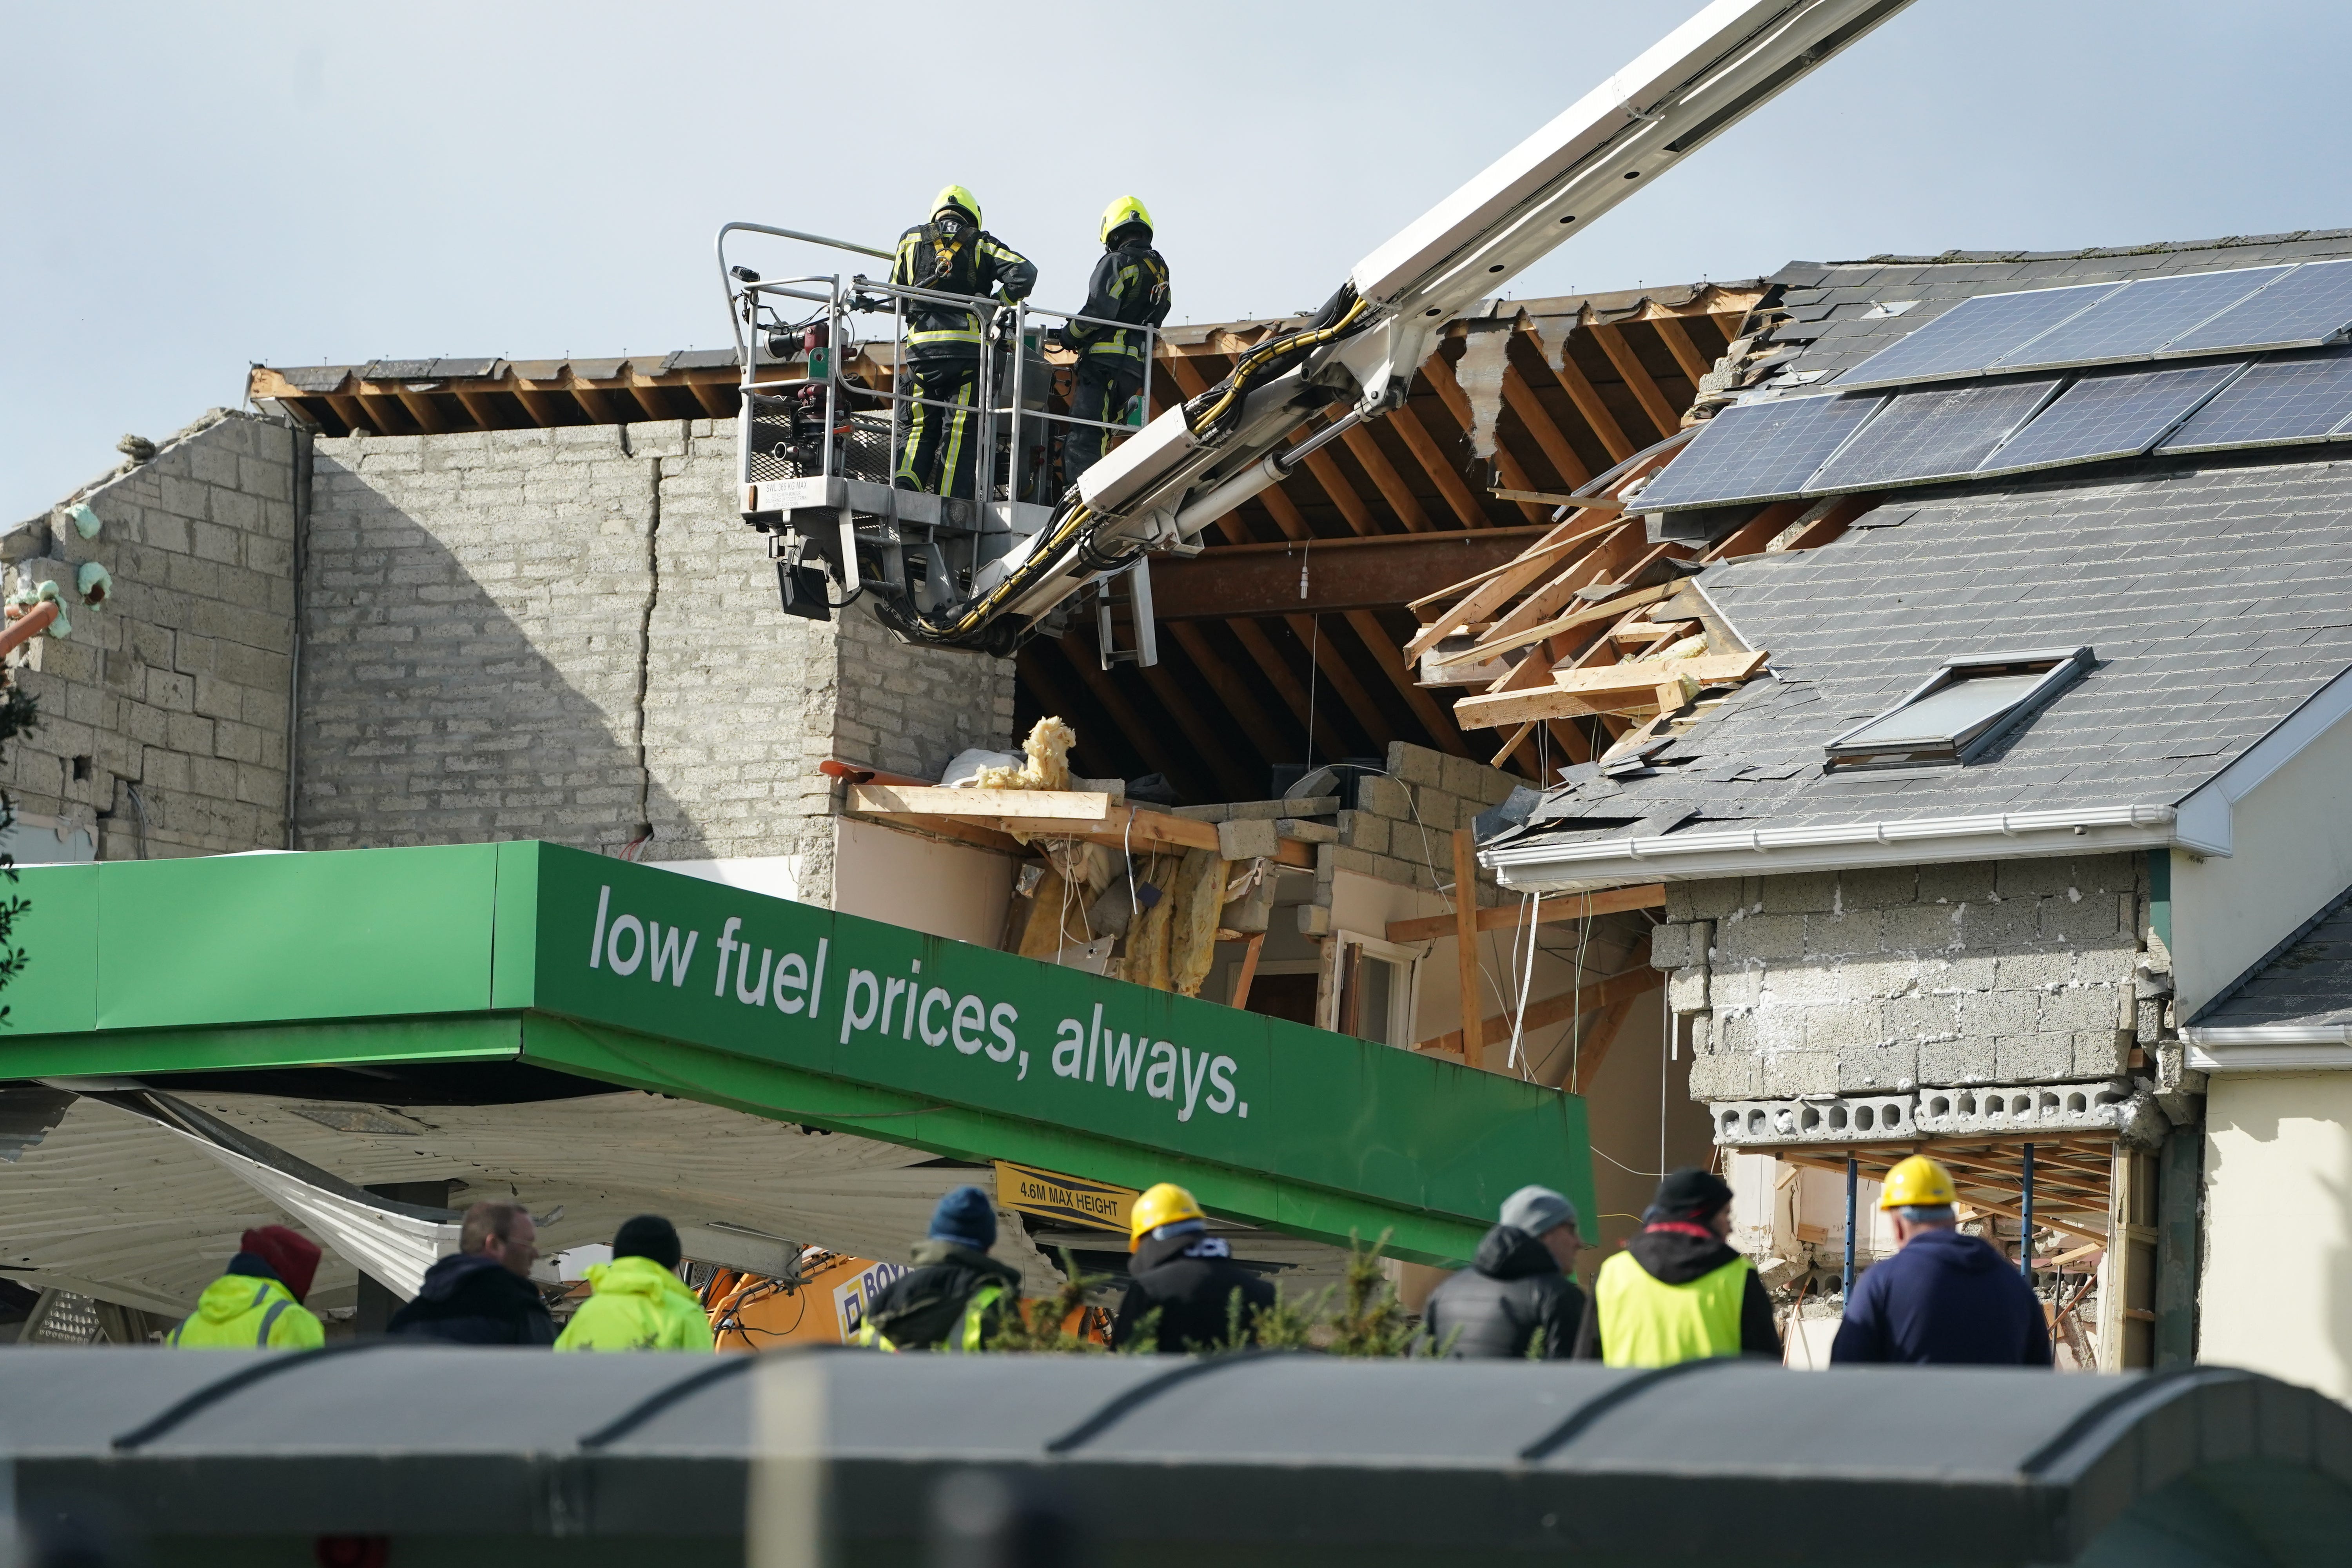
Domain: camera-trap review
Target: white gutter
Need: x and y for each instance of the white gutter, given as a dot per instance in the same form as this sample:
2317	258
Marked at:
2269	1048
1773	851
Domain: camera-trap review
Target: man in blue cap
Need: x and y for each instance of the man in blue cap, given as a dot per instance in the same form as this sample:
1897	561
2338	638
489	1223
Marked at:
956	1297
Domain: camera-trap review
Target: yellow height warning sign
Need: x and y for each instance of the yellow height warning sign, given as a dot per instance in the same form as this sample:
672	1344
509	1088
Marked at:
1097	1205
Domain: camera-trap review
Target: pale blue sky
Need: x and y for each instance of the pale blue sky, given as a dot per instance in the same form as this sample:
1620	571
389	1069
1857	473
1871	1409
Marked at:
185	189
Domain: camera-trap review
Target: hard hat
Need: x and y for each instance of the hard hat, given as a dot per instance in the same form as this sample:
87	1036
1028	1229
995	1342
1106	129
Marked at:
1917	1183
1162	1205
957	197
1122	212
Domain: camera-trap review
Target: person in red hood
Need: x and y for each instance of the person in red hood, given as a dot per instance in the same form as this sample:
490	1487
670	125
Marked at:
257	1304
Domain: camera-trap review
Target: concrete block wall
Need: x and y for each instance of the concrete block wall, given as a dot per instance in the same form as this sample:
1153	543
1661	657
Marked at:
1401	827
177	686
1888	979
569	633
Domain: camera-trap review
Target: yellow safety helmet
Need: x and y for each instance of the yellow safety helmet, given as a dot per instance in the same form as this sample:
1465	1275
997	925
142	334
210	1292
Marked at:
1120	212
957	197
1162	1205
1917	1183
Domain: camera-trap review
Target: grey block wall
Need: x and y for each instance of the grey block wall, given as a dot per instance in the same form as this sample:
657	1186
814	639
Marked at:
1888	979
569	633
177	686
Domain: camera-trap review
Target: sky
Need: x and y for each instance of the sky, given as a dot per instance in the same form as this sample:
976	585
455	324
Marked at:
187	189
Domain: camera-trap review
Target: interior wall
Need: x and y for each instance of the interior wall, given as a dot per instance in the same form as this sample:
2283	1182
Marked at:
2291	852
945	890
2276	1292
1622	1104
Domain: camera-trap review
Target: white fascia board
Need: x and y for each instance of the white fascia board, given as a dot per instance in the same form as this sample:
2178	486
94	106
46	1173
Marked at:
2269	1048
1776	851
2205	815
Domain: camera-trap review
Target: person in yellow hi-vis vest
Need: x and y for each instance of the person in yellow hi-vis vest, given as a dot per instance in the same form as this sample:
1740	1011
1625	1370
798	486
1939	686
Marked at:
956	1298
1678	1292
257	1304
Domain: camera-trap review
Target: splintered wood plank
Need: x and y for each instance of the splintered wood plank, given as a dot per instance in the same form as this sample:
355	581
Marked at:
1556	907
1606	689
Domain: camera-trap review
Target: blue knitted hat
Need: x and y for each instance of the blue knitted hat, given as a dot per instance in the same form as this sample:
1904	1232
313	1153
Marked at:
966	1217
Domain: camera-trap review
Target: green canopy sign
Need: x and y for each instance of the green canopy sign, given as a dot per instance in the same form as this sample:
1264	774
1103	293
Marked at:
639	976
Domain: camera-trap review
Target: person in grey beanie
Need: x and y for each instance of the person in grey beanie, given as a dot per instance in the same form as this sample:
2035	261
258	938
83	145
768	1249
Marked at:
1518	1298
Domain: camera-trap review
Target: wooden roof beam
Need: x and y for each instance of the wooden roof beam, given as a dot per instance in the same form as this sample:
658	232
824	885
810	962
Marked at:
1638	380
1284	681
1426	708
1432	458
1231	688
1584	395
1448	388
1333	669
1675	334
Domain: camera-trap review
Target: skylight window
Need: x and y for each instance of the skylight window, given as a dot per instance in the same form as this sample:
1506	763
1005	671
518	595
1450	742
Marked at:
1960	711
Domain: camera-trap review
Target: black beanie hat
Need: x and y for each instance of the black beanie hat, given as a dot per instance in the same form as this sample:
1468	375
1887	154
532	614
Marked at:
1688	1194
648	1236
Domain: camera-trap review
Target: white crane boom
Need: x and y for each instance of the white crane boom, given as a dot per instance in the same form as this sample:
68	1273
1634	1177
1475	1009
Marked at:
1197	461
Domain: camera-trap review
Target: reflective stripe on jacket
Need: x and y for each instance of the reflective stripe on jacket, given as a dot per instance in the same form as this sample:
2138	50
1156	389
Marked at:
638	1305
974	262
969	1335
1130	284
1645	1322
243	1312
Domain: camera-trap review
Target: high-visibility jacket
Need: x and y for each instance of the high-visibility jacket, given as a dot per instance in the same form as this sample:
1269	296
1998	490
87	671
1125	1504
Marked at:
1645	1322
969	261
244	1312
969	1334
638	1305
1130	284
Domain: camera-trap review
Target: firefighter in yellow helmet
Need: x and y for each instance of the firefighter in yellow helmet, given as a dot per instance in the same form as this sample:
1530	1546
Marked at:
1944	1299
1128	291
1678	1292
1184	1291
949	254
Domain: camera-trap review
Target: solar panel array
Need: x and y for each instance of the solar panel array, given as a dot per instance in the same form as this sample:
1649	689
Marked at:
2184	314
1973	335
1825	445
1757	451
2103	416
2278	402
1935	432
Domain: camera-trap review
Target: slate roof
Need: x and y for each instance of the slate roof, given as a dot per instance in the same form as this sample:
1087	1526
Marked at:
2216	594
2217	600
1833	329
2306	979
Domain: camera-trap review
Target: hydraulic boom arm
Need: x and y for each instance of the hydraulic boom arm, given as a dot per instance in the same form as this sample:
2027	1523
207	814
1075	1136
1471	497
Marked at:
1197	462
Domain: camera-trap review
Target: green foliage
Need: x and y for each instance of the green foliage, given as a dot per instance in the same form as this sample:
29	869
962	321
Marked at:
1038	1325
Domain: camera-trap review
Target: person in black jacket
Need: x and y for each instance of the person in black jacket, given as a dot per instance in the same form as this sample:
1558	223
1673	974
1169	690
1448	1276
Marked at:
482	1294
1130	285
1678	1291
1184	1276
956	1297
1517	1297
951	254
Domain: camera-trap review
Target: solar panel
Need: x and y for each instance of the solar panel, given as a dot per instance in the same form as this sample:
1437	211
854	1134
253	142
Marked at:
2141	320
1756	451
2103	417
1933	433
2310	306
2276	404
1973	335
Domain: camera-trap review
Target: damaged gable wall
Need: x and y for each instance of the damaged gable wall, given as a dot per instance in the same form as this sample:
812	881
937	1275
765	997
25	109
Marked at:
176	687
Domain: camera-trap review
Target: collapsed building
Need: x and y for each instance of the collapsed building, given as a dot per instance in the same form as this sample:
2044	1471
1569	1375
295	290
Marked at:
446	603
1972	679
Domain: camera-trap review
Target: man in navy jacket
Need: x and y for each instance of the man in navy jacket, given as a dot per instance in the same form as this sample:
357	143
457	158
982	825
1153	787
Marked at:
1944	1299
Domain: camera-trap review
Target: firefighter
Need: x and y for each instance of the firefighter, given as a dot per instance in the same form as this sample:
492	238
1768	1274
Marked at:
956	1297
1130	285
1944	1299
1184	1291
951	254
1678	1292
257	1304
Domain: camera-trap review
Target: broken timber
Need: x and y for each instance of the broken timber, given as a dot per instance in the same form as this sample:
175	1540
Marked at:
1635	687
